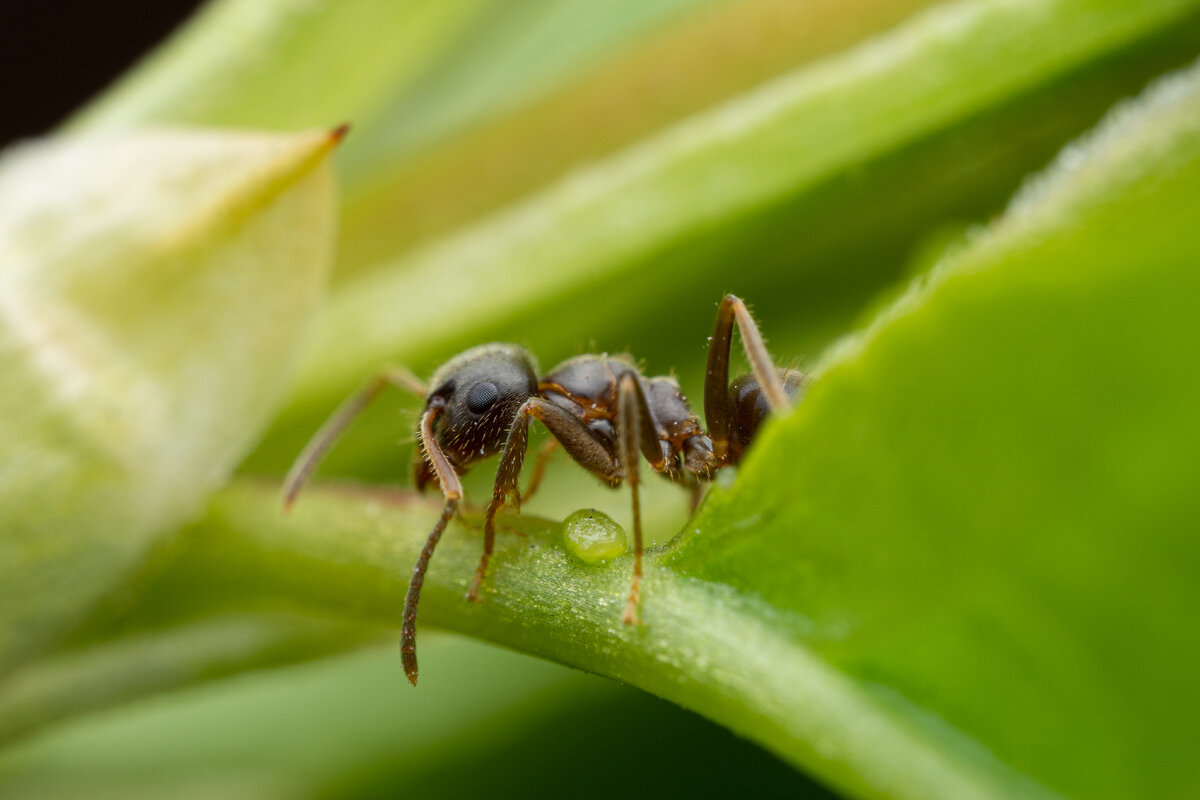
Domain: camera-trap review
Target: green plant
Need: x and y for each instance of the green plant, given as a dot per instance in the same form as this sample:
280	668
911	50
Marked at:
964	566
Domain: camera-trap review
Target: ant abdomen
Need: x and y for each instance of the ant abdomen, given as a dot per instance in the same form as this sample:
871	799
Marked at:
749	406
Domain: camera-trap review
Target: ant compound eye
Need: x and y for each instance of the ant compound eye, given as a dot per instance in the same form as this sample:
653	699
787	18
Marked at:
481	397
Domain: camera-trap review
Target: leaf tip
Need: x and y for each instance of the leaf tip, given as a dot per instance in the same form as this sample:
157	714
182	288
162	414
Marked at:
337	134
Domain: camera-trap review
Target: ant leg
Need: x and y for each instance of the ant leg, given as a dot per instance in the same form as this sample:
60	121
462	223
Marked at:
545	452
695	490
760	360
630	404
636	428
716	378
506	483
337	423
408	630
716	381
452	489
646	430
571	433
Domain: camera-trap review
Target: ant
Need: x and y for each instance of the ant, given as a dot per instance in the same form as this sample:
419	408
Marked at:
599	408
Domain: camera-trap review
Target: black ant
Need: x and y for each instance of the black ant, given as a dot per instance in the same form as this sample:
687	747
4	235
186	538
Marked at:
599	408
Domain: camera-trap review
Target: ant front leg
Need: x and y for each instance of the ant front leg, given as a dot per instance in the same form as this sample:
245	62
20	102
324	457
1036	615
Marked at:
506	484
571	433
717	412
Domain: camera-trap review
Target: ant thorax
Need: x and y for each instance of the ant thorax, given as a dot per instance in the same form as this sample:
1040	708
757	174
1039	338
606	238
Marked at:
588	386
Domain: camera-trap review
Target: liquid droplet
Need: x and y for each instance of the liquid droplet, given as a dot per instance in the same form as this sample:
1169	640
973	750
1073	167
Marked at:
592	537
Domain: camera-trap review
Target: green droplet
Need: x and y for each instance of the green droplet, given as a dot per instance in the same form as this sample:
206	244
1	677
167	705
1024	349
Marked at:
592	536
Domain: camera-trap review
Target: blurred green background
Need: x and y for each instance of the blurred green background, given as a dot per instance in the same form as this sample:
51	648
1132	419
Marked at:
485	722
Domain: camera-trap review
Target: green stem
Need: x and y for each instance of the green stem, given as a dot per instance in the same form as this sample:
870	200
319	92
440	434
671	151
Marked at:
702	645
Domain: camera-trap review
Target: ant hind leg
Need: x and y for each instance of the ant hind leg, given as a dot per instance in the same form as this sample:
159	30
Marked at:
717	412
544	454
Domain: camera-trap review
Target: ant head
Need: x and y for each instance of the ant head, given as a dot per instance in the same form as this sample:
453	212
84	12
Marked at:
479	392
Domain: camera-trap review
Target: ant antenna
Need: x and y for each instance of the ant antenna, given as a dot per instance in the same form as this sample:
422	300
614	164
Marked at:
452	489
408	629
346	413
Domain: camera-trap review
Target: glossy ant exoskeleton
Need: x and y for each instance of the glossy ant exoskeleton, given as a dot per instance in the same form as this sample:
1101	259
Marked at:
598	408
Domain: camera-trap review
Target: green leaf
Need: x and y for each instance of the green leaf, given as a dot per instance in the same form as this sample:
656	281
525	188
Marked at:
408	75
512	54
963	567
985	508
281	64
154	288
548	120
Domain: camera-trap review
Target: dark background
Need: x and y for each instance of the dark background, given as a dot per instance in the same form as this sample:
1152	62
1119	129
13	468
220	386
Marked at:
54	56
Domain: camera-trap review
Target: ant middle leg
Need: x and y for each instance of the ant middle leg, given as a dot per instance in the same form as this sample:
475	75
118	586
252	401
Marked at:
544	454
575	438
636	430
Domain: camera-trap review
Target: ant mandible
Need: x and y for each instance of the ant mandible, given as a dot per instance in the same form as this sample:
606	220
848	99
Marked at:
599	408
